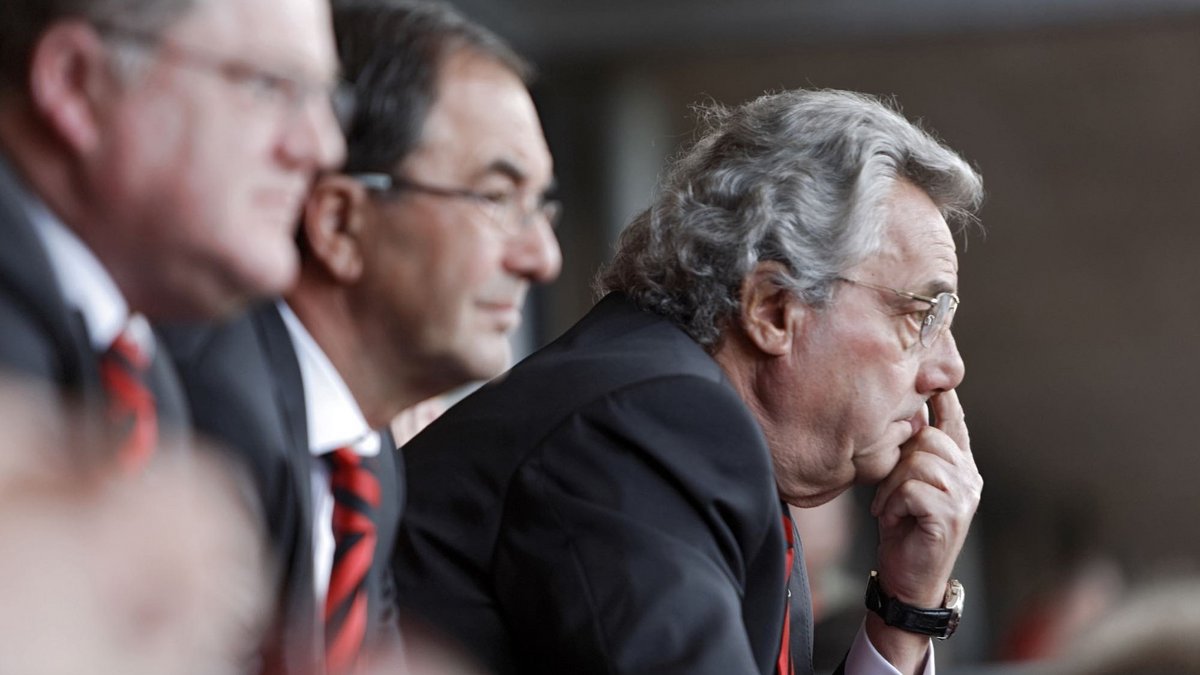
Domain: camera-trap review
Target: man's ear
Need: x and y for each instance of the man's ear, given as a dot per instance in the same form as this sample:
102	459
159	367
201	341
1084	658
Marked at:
770	314
68	69
332	226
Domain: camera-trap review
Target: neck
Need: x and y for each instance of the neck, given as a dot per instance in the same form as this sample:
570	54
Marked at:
758	379
736	358
381	389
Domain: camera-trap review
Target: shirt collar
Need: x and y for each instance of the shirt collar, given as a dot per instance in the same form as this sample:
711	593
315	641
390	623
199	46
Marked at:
334	418
85	284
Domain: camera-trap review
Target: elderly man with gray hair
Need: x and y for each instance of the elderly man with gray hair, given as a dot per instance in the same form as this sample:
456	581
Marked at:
775	329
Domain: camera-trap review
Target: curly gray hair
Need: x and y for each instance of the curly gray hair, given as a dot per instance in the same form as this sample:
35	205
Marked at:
799	177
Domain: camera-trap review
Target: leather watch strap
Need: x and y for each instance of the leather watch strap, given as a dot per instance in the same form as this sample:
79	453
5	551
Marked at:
939	622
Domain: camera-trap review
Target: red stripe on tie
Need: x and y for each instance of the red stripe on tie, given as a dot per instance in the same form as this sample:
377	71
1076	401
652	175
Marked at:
341	652
785	644
361	483
352	521
352	570
356	494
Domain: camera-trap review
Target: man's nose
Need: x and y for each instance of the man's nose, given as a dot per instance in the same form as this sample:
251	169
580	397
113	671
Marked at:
534	253
314	138
942	368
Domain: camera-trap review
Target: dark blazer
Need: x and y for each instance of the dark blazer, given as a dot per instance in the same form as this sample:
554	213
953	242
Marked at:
608	506
41	337
243	380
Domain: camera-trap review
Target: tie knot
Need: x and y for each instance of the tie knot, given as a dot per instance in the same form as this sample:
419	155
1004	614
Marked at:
124	368
129	353
132	346
343	459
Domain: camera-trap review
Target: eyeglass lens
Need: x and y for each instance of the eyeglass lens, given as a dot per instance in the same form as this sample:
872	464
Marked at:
939	318
512	217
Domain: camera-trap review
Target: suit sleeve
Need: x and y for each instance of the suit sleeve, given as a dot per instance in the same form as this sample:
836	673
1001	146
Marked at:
628	537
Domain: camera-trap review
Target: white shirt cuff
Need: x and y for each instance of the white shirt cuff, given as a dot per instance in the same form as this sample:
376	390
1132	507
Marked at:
864	659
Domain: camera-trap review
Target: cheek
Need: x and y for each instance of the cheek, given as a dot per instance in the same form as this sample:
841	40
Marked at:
143	153
872	379
877	360
236	158
468	266
184	170
430	266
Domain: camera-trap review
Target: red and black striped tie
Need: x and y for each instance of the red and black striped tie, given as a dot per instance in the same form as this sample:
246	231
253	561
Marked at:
784	665
356	497
131	407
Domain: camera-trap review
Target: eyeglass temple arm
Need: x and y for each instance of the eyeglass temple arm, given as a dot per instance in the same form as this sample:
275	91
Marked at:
887	289
374	181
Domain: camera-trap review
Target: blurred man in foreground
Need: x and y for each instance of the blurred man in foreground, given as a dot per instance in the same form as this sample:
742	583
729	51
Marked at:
773	328
415	264
153	155
103	572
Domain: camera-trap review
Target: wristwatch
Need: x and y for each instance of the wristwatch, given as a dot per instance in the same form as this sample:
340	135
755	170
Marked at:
939	622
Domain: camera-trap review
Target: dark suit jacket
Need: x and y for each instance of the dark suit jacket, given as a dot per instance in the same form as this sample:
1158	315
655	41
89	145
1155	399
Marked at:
244	382
608	506
41	337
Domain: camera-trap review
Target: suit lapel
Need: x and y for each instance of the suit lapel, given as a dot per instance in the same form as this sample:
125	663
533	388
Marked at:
26	275
800	604
170	401
305	641
288	388
381	598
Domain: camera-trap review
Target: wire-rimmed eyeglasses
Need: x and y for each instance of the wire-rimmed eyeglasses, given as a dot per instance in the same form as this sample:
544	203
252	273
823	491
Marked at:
505	208
285	91
936	321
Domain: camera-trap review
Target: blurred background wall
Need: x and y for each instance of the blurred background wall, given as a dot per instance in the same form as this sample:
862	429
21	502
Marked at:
1081	315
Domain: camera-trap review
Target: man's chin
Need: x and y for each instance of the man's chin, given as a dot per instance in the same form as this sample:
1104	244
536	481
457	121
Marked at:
497	363
871	469
265	276
487	360
236	285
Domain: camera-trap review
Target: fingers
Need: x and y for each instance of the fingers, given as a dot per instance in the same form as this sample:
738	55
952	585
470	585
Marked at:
947	440
922	530
950	418
956	491
913	499
929	457
925	505
922	527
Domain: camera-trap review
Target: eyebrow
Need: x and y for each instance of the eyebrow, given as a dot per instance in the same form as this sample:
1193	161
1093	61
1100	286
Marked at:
515	173
933	288
936	287
930	289
505	168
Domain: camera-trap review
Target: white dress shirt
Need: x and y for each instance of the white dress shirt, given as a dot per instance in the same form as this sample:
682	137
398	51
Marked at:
334	421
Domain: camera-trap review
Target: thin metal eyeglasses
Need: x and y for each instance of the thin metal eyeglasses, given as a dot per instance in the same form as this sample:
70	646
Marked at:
290	93
505	208
936	321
